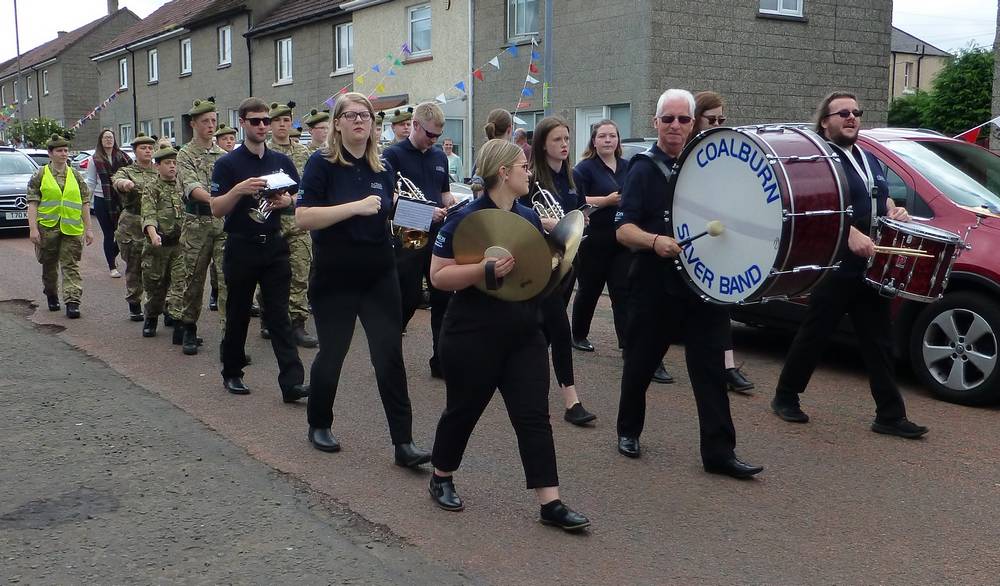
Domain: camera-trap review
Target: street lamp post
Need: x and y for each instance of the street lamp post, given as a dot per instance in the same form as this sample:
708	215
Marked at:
17	93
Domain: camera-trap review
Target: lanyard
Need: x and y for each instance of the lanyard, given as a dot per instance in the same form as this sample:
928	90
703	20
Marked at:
864	171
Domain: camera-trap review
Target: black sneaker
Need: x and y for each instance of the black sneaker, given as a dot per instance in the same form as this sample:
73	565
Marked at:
559	515
577	415
901	427
789	410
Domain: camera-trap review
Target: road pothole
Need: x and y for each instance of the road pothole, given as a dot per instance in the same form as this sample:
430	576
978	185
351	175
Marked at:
77	505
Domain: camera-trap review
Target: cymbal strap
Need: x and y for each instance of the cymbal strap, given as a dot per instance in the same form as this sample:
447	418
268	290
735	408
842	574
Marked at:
492	282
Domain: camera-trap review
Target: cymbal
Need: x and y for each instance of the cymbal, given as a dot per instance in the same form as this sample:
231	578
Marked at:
509	232
564	241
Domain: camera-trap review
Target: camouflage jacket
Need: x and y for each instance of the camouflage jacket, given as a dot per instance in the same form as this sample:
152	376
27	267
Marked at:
162	206
141	177
35	184
194	167
298	153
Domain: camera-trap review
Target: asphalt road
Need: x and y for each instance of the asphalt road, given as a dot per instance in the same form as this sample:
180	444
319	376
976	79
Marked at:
837	504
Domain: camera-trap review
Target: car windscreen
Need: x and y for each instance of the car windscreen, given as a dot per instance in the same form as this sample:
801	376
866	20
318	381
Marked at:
15	164
966	174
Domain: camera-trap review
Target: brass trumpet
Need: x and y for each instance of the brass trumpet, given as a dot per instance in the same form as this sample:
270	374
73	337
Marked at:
545	204
410	238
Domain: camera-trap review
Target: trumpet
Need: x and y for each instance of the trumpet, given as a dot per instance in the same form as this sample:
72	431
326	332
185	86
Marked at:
410	238
545	204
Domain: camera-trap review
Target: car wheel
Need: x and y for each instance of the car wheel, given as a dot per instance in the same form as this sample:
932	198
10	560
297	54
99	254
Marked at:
953	348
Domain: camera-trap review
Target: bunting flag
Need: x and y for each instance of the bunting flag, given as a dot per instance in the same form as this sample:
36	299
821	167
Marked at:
512	50
392	73
90	115
495	62
972	134
331	101
531	80
379	88
478	74
406	49
534	41
397	62
519	121
376	68
460	85
533	68
527	92
442	98
535	56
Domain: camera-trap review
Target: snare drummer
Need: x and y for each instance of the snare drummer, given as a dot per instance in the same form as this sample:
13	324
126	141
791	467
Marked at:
838	120
663	309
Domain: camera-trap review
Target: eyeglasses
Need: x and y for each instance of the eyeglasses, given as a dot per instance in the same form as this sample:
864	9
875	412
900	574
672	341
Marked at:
846	113
352	116
669	119
258	121
525	166
431	135
715	119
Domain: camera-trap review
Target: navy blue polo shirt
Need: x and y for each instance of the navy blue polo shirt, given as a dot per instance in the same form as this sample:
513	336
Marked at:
241	164
645	200
443	242
566	194
427	170
861	200
328	184
594	178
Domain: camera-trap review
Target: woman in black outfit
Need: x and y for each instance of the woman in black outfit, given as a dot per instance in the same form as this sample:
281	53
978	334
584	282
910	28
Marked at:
489	344
346	198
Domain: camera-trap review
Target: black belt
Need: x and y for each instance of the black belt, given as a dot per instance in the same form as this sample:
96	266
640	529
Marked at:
197	208
170	240
254	238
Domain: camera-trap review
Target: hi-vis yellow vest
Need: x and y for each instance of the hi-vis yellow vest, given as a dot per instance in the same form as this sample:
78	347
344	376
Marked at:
63	207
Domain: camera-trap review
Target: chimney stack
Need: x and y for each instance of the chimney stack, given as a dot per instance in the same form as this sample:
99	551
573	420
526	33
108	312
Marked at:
59	34
112	6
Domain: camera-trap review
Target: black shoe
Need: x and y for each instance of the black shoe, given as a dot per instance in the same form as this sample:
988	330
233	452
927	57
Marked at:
559	515
72	310
213	300
629	446
53	301
789	410
737	382
265	333
254	310
662	376
169	321
295	393
442	490
135	312
583	345
577	415
149	328
410	456
734	467
247	361
901	427
190	339
235	386
323	440
304	338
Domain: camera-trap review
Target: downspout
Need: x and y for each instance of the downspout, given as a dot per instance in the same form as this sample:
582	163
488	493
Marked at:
892	86
249	56
135	101
38	91
469	159
923	49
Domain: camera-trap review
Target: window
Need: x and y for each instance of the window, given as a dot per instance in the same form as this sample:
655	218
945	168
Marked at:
153	59
166	127
454	128
283	60
17	96
146	127
3	94
125	133
782	7
225	45
419	18
45	82
185	56
907	73
29	84
234	122
522	18
123	73
531	119
344	42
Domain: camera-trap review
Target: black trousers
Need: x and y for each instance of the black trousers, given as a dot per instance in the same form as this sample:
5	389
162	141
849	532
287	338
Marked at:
246	264
869	311
103	215
358	282
661	313
602	261
555	325
413	266
488	344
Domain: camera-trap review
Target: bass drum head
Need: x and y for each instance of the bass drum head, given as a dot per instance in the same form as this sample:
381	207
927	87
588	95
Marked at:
724	175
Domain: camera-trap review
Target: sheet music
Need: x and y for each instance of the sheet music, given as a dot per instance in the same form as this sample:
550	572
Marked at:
414	214
277	182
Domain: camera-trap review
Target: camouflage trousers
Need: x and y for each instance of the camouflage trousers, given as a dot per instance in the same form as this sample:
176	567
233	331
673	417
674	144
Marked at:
131	241
202	241
162	268
300	258
57	251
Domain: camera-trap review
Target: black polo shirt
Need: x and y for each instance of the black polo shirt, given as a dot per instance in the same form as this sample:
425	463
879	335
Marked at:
241	164
645	198
443	242
594	178
427	170
569	197
328	184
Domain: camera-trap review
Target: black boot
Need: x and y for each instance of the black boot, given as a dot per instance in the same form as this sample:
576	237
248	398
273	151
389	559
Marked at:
213	300
72	310
149	328
53	302
190	340
302	337
178	338
167	320
135	312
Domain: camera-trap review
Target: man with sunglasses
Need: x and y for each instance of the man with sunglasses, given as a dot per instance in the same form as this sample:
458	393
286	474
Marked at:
419	160
662	308
256	253
838	120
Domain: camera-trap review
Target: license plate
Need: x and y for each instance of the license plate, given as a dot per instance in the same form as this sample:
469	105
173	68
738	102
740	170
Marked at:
17	215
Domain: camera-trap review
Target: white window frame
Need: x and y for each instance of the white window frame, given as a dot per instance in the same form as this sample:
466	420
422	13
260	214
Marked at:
409	28
3	94
153	65
28	84
186	56
284	57
512	20
339	33
45	82
225	38
125	135
123	73
146	127
17	96
234	122
164	122
907	68
782	11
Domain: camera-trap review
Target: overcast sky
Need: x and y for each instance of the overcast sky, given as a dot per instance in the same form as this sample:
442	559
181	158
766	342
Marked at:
948	24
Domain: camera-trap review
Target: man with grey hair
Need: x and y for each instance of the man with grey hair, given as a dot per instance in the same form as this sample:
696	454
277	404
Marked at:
520	138
663	309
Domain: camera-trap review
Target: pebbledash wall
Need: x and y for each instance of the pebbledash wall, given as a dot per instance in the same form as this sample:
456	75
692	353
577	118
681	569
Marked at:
616	58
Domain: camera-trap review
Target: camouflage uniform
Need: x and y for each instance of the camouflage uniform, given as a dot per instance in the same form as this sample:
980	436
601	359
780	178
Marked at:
129	235
163	209
55	249
299	242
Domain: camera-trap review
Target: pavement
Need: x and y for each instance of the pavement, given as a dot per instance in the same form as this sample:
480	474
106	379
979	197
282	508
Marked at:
836	504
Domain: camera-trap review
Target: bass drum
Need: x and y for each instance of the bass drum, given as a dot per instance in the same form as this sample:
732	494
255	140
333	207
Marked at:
781	195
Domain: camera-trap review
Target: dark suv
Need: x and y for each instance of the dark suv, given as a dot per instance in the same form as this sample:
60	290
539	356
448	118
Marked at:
16	168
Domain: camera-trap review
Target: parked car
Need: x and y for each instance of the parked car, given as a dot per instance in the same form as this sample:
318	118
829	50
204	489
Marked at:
16	168
80	160
40	156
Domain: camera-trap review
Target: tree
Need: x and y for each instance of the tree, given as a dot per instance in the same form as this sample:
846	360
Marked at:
38	131
910	111
962	92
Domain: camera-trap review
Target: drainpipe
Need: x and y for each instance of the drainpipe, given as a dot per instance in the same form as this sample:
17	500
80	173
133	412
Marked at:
135	102
892	85
38	91
923	49
547	58
249	56
467	138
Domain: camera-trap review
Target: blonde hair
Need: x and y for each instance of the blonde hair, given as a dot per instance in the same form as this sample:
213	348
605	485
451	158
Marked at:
429	112
495	153
334	143
498	123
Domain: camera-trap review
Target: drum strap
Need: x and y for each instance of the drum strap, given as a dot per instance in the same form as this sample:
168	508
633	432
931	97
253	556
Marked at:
864	171
667	173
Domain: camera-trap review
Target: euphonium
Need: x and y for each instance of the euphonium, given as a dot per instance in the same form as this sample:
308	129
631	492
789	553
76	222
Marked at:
409	237
545	204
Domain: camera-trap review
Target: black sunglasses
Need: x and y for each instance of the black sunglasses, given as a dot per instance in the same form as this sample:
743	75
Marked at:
431	135
846	113
669	119
715	119
258	121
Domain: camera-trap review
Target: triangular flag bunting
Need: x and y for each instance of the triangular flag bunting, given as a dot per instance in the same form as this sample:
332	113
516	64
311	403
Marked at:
360	80
441	98
376	68
392	73
397	63
527	92
970	135
495	62
518	120
531	80
406	48
533	68
330	102
534	41
389	56
343	90
535	56
460	85
512	50
478	74
379	88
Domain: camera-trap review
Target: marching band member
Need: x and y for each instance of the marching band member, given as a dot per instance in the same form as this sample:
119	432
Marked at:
499	124
489	344
345	201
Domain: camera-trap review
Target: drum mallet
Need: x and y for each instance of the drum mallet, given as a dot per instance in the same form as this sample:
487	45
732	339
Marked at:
713	229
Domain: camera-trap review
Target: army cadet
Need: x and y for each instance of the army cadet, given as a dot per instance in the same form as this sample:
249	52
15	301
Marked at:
128	182
295	135
402	124
58	225
202	237
225	137
319	128
162	216
299	241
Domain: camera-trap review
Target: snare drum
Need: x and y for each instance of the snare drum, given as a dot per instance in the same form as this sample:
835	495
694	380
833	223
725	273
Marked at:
782	197
920	278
